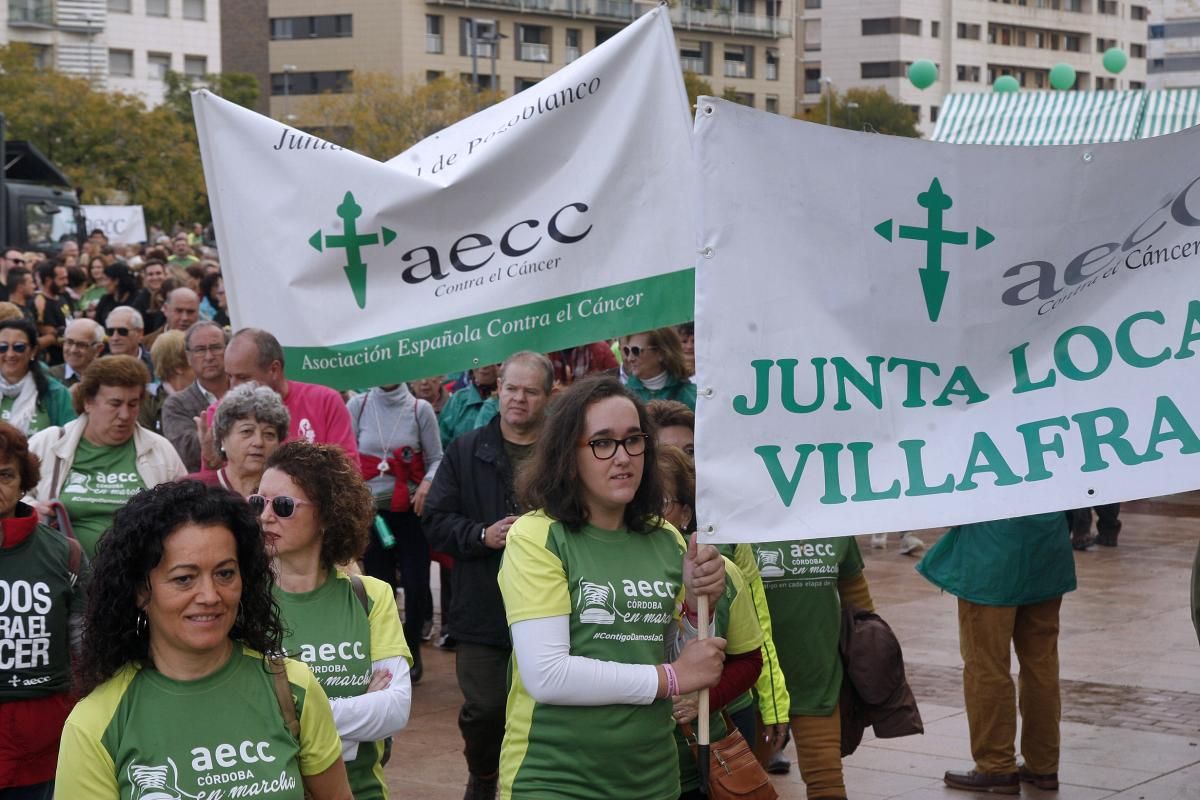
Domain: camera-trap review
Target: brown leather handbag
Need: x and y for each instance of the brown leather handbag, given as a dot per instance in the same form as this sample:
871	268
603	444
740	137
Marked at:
733	772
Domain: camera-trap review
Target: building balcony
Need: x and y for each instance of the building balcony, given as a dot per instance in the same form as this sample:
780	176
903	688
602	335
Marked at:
30	13
737	69
434	43
572	54
628	10
693	64
534	51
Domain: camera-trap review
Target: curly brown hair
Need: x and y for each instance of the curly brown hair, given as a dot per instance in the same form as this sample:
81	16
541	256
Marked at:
550	479
671	413
14	445
109	371
679	474
344	503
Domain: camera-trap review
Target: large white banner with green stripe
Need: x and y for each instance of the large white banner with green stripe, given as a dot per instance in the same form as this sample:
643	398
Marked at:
557	217
895	334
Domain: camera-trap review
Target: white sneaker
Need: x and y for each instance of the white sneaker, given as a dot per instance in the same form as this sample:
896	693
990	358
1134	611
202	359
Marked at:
879	541
910	545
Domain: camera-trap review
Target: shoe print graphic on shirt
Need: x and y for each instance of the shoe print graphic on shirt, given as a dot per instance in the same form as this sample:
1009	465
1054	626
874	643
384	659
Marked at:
157	783
770	563
596	603
76	483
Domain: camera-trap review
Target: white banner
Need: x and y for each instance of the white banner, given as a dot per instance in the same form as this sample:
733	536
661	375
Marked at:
894	334
121	224
557	217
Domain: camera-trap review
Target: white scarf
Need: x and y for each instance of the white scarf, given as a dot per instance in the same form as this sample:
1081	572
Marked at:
658	382
25	403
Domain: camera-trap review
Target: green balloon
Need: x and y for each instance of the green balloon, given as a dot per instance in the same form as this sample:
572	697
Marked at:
1006	83
1115	60
922	73
1062	76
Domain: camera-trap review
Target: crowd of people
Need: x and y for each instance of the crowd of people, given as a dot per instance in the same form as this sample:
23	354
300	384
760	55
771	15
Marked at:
201	561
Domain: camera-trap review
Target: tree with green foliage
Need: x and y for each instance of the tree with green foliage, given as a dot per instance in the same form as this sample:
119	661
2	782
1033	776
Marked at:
236	87
871	110
109	144
386	115
696	87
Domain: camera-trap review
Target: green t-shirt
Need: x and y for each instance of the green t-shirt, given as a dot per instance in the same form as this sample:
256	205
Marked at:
39	422
801	583
37	596
101	479
141	735
338	640
622	591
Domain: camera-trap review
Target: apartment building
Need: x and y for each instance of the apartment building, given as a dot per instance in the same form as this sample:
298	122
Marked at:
119	45
740	46
1174	45
871	43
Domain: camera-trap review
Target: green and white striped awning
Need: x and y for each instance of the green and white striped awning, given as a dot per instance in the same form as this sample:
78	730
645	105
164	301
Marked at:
1050	117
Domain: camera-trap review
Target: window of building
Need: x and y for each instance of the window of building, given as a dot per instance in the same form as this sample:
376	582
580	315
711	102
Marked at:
916	111
739	61
432	75
120	63
812	79
880	26
935	28
1110	7
486	37
159	64
533	43
335	81
812	3
1137	50
604	34
968	73
574	40
1103	83
1103	44
193	9
772	64
195	66
933	113
1072	43
521	84
812	35
694	56
434	42
771	104
120	7
327	26
1139	12
158	8
1136	85
881	69
965	30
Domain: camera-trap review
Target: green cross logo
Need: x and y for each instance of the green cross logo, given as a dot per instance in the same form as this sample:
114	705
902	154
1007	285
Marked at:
353	242
933	278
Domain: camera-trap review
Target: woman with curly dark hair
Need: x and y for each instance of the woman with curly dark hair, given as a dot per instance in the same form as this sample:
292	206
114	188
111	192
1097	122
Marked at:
43	576
592	582
315	511
183	696
30	400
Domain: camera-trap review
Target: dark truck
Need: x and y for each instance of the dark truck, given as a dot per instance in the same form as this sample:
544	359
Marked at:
39	210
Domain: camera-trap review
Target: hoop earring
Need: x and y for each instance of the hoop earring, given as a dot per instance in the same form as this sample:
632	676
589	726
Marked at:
142	625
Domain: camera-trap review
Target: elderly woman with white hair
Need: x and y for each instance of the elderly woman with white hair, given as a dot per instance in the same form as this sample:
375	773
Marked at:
250	423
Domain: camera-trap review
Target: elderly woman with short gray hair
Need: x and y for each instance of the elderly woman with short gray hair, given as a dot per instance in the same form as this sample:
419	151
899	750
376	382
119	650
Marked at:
250	422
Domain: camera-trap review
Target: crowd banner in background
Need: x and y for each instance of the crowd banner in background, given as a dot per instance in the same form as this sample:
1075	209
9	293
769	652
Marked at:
121	224
896	334
559	216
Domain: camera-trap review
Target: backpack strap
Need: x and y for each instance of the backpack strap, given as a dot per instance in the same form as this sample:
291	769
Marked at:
74	559
284	696
360	591
57	467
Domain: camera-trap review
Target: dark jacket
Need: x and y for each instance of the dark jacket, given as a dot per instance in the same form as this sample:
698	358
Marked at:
875	691
472	489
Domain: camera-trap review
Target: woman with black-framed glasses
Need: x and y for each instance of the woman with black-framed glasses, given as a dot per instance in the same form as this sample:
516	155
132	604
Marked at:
315	510
594	583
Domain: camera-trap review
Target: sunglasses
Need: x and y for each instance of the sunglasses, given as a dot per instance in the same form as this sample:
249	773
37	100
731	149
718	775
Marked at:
635	351
119	331
282	505
18	347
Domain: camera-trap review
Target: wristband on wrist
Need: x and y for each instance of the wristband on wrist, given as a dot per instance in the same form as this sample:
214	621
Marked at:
672	681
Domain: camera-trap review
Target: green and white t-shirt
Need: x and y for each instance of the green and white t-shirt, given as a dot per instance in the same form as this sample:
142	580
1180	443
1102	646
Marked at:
37	596
39	422
623	592
141	735
102	478
801	582
330	632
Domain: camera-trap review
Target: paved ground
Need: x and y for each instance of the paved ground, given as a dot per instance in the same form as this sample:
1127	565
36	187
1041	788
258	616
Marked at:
1130	669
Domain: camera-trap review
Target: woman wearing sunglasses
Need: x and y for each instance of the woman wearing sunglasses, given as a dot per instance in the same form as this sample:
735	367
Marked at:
94	464
183	699
30	400
250	423
655	368
593	583
315	511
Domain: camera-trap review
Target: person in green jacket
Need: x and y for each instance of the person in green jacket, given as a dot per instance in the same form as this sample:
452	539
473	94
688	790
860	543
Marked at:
655	367
1009	577
30	400
472	406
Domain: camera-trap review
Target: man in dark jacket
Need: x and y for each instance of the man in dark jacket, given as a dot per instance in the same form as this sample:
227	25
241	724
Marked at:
467	514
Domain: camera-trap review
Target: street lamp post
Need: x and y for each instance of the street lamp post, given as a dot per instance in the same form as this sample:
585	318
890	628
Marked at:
850	106
828	100
288	69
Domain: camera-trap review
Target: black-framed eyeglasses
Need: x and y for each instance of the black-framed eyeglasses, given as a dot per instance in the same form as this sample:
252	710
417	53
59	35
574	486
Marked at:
208	348
118	331
282	505
604	449
18	347
636	351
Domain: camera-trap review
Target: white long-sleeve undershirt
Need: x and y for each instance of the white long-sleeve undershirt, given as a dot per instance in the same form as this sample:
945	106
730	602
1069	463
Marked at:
551	675
374	715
